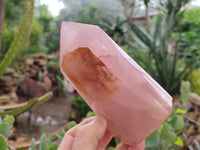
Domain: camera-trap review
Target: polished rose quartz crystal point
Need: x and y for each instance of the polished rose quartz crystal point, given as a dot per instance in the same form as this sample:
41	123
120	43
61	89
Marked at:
111	83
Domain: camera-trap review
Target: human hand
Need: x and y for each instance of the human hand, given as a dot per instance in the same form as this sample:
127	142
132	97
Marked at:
91	134
140	146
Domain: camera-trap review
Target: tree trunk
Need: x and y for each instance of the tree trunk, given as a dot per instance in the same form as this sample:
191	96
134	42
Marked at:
2	11
128	10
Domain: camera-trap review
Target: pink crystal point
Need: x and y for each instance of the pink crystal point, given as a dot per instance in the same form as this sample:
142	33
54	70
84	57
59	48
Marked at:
112	84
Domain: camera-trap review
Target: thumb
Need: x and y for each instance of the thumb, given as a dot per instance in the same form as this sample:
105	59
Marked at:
88	136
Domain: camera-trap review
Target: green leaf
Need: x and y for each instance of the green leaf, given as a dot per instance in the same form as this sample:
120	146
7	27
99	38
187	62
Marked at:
9	119
90	114
53	147
10	148
117	142
43	144
33	146
179	142
177	122
181	111
152	141
4	129
49	141
185	90
111	148
171	116
3	143
166	134
60	134
71	125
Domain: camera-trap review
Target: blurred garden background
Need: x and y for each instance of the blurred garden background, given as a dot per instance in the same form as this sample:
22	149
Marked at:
37	105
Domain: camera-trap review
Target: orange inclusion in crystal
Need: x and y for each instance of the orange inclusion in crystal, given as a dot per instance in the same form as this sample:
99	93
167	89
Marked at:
85	69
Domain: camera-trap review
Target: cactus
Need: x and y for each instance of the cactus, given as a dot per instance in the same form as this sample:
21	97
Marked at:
5	126
21	38
3	143
10	110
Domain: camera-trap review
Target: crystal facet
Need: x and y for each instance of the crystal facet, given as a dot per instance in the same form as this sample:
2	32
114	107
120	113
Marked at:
111	83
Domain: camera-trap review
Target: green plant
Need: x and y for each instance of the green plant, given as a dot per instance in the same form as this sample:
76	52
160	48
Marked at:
5	125
168	134
89	15
115	29
184	91
90	114
47	144
60	84
194	78
187	32
157	50
8	34
37	39
44	144
61	134
21	108
14	11
116	142
81	108
3	143
21	38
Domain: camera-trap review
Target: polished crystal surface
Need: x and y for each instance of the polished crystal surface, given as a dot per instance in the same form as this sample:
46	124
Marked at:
112	83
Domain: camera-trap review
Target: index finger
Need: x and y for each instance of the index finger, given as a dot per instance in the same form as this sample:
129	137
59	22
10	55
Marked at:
67	141
72	131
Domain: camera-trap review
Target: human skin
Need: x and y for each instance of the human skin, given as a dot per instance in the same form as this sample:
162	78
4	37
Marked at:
91	134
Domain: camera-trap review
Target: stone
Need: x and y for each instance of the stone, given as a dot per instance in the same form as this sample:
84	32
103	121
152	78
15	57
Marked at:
47	120
54	123
32	87
47	83
112	83
29	61
33	117
25	117
194	98
39	120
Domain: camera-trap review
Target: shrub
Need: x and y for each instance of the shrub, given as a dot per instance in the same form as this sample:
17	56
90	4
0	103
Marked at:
158	50
21	38
188	31
194	78
8	35
81	108
5	126
37	39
